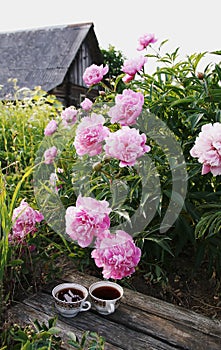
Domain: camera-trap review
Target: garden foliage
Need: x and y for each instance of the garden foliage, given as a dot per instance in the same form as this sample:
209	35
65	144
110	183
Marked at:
176	101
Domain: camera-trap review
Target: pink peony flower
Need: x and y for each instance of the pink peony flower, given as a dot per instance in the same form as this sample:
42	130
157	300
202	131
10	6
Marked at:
86	104
146	40
133	66
51	128
24	222
116	254
69	116
94	74
90	134
87	219
50	155
128	107
207	148
127	78
126	145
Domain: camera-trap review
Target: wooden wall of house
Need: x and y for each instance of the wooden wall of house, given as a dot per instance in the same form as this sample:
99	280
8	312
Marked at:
72	95
82	60
73	89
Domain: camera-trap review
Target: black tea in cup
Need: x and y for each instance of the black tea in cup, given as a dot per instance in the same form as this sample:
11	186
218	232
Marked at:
106	293
70	295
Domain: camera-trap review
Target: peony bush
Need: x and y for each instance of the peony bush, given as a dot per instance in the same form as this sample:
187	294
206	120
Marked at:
90	165
113	134
88	221
98	180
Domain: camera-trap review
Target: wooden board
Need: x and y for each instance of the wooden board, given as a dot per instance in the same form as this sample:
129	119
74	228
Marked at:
141	322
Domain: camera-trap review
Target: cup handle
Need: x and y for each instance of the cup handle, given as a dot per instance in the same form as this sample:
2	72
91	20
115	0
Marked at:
86	306
110	308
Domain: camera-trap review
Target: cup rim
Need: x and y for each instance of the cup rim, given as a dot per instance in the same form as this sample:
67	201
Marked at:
65	285
105	283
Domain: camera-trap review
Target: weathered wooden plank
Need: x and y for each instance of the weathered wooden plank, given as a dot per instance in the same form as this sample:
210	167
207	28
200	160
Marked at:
169	331
175	313
25	314
113	331
142	323
159	308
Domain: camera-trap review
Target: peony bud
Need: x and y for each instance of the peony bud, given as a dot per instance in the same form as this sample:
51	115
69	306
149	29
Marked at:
97	166
200	75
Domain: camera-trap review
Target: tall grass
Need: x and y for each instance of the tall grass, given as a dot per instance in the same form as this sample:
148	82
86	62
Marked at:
7	206
4	231
22	123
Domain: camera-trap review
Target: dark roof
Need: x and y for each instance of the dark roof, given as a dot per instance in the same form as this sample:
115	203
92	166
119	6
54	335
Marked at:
41	57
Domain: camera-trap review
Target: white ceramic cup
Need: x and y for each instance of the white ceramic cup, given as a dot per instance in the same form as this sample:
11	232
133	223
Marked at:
70	299
105	296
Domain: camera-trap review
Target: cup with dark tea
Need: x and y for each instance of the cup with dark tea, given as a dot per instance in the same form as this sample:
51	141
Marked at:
70	299
105	296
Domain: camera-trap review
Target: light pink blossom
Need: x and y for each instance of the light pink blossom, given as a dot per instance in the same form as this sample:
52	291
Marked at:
117	254
94	74
126	145
146	40
86	104
90	135
50	154
207	148
127	78
127	108
89	218
69	116
51	128
134	65
24	220
60	170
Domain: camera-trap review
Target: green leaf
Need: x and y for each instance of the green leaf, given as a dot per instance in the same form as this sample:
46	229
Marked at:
54	330
195	59
123	214
37	325
186	100
118	79
17	189
218	70
16	262
209	225
218	52
161	242
163	42
27	346
21	336
52	321
84	338
72	336
150	55
194	119
214	95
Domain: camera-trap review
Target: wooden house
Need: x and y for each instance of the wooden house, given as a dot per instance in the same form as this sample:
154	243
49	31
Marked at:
53	58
